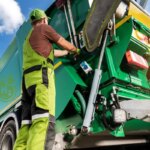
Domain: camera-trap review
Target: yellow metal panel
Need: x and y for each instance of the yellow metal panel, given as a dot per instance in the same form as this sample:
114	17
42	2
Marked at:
57	65
139	15
141	37
122	21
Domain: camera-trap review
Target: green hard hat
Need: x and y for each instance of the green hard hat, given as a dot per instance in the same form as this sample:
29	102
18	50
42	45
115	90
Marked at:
37	14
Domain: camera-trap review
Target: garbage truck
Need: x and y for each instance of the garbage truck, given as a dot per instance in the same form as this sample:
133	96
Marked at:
103	94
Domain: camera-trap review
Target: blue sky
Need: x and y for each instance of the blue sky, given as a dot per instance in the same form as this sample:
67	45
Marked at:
12	15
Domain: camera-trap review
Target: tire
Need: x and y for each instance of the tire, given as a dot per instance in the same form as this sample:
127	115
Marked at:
8	136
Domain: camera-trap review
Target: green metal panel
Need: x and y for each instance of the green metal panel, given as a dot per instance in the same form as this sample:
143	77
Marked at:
110	64
118	50
136	126
66	81
124	92
137	46
10	86
58	20
129	93
11	71
116	61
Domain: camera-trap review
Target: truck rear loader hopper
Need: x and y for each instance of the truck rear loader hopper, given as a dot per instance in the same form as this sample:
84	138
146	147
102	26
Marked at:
103	95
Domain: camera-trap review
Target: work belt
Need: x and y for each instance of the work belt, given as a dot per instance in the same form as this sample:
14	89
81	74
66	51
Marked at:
37	67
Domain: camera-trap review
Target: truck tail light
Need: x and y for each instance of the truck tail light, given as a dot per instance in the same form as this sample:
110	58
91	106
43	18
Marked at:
136	60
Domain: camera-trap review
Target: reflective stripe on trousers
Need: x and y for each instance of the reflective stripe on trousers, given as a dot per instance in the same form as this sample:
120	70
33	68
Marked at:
39	136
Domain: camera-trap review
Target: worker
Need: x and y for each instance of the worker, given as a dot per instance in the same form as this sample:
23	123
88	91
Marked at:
37	130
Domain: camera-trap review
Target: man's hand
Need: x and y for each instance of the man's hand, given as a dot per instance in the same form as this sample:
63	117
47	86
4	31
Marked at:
60	53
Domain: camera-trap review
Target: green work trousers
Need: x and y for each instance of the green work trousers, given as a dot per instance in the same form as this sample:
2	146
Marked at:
37	130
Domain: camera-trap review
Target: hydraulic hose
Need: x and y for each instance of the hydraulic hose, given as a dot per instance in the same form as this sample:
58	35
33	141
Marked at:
82	101
106	123
79	102
76	104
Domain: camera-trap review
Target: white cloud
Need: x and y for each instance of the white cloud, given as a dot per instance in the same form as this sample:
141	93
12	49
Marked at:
10	16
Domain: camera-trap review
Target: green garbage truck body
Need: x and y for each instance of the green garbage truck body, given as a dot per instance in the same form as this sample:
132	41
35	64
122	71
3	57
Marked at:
103	94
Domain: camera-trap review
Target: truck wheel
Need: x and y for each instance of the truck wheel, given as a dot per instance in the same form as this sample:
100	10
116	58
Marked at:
8	136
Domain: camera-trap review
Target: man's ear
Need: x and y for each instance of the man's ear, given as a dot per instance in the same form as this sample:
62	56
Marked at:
43	20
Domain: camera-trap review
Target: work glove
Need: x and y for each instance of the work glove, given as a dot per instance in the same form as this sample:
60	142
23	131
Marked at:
75	54
78	51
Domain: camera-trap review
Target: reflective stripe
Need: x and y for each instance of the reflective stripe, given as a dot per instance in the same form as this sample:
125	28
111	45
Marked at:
26	122
37	67
34	68
50	61
40	116
45	76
